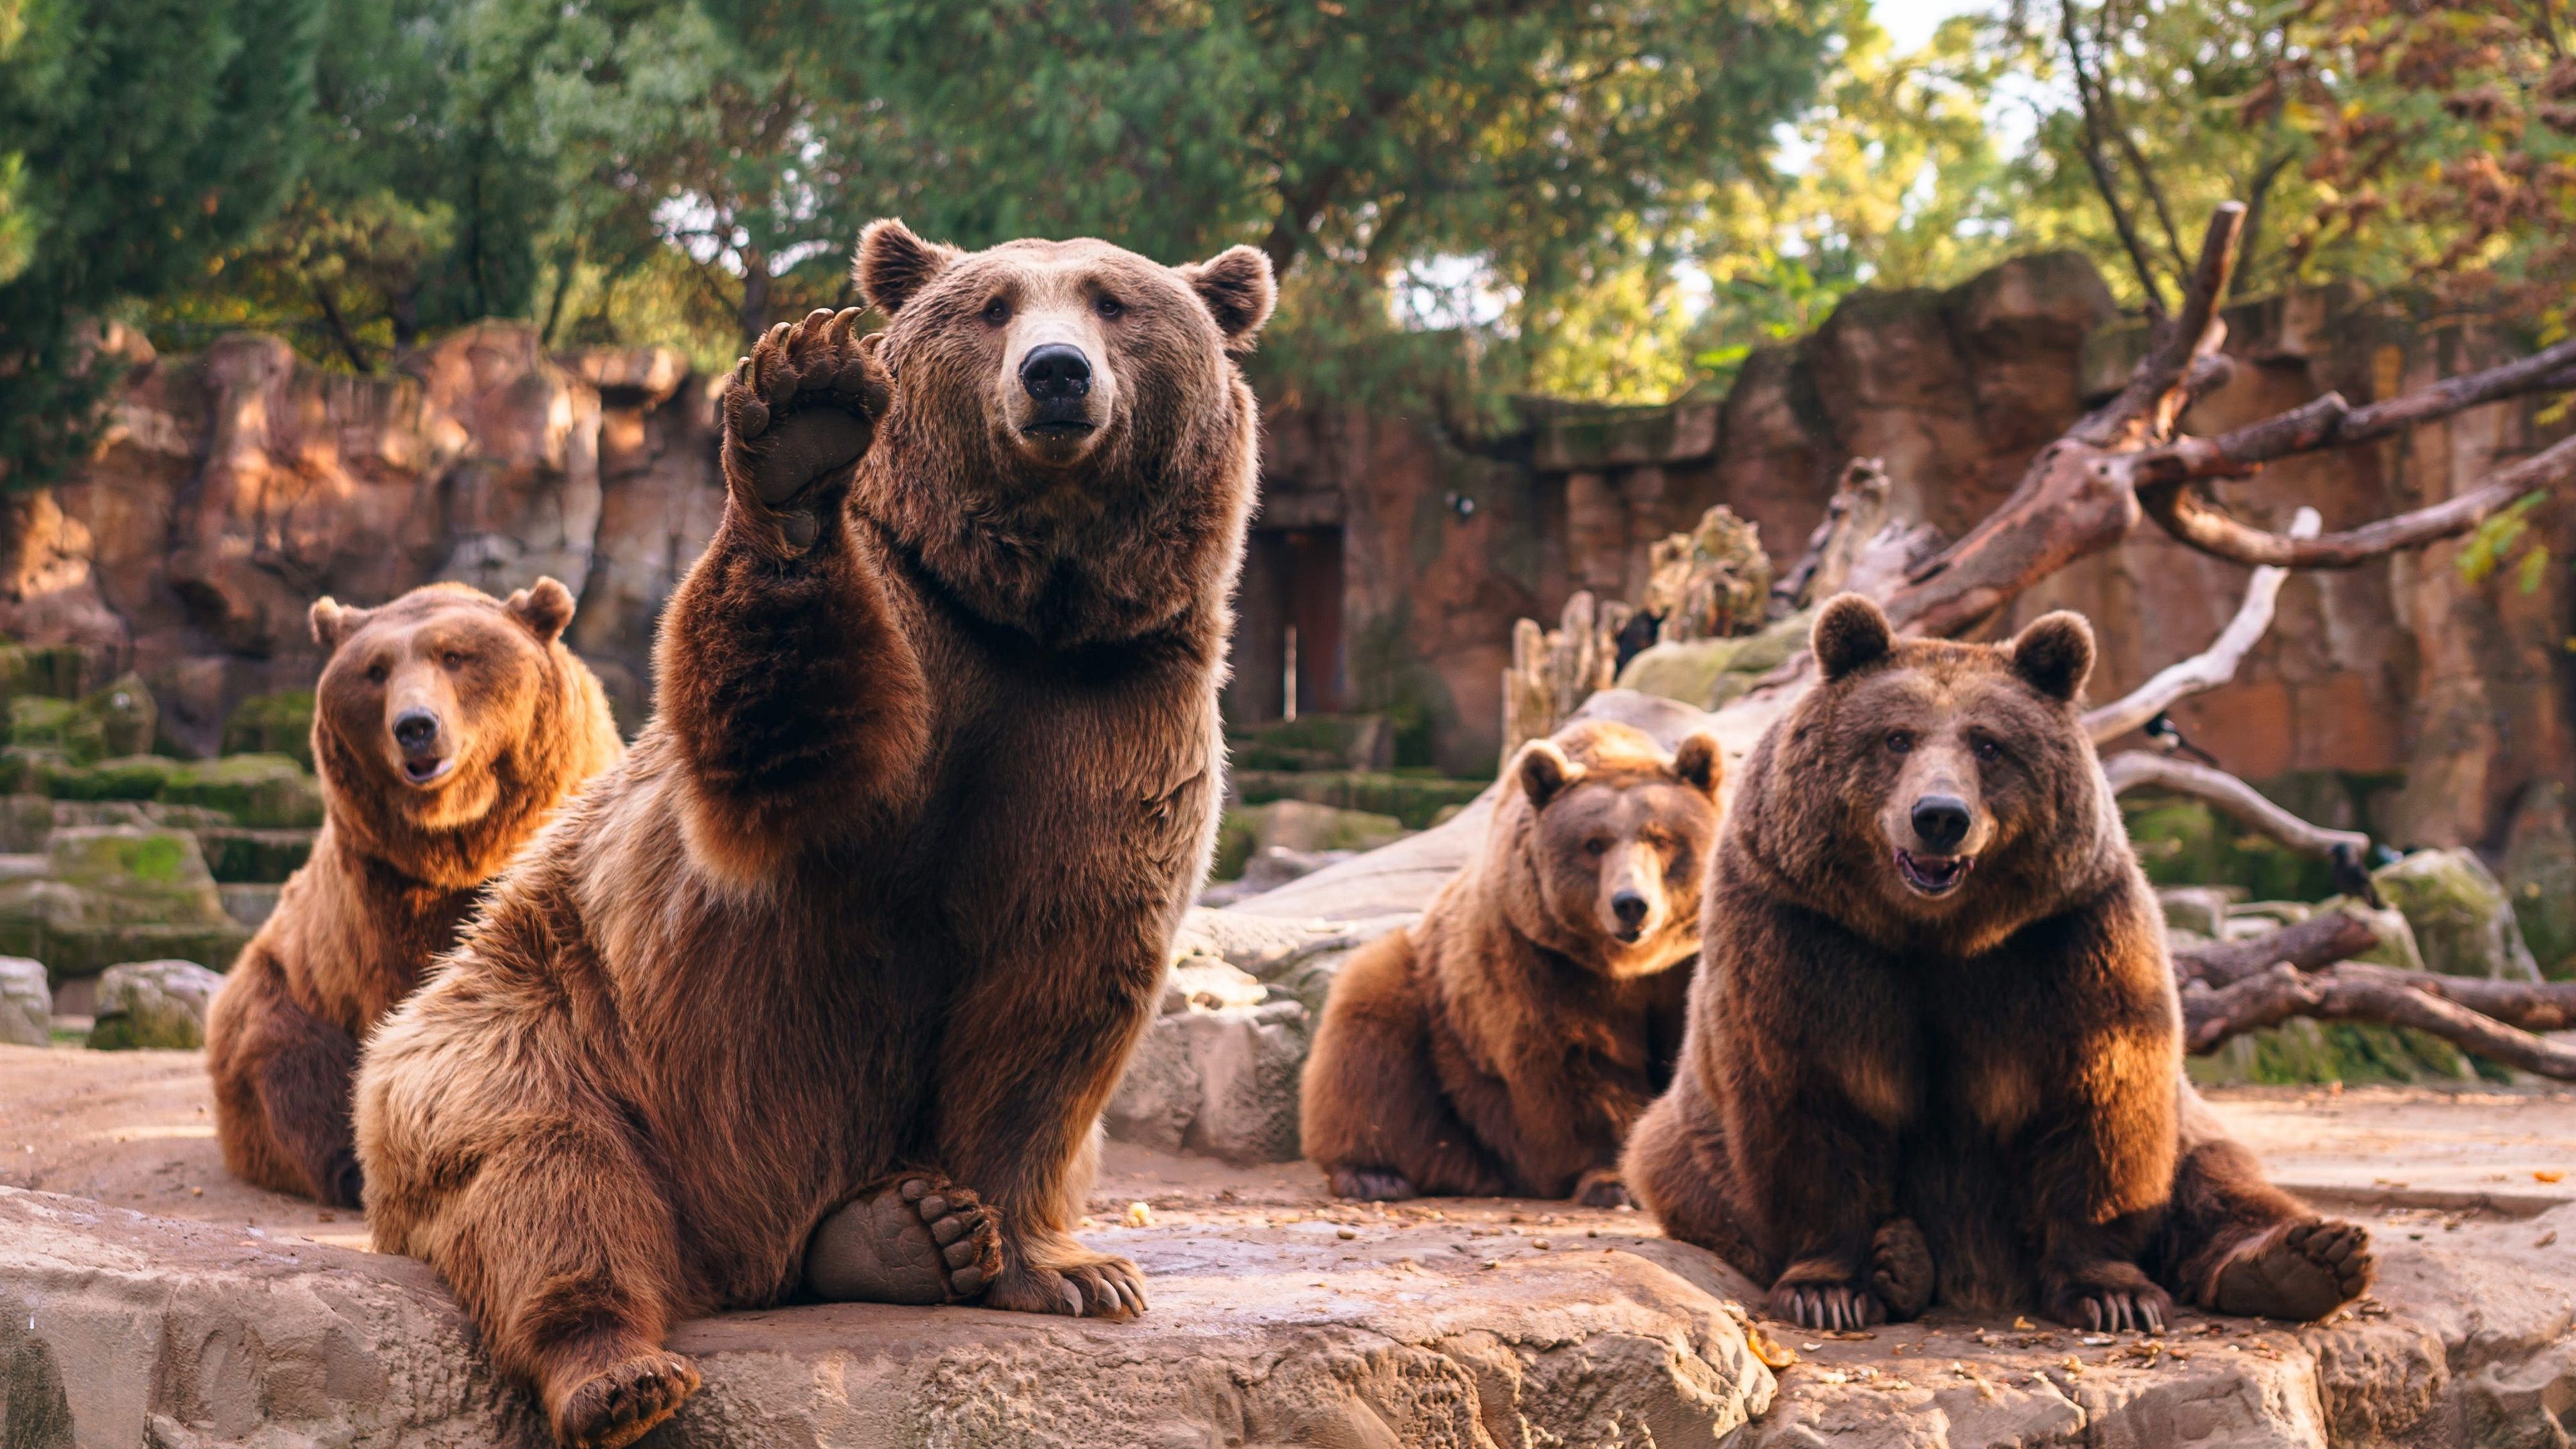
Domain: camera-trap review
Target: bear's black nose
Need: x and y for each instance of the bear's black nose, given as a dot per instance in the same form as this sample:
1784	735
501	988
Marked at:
1629	907
1055	372
414	729
1941	822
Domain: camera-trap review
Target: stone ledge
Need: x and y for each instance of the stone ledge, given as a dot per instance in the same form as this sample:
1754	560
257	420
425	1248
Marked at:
1414	1330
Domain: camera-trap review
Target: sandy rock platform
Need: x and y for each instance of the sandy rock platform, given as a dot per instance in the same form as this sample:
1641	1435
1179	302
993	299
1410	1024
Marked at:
145	1299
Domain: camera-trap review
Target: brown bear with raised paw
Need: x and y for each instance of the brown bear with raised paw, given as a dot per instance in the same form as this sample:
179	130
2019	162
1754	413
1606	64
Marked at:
870	919
447	727
1934	1046
1506	1042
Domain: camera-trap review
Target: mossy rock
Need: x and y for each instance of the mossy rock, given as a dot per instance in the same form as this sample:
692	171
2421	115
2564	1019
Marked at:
264	856
273	724
116	720
2185	843
153	1005
2463	920
118	893
127	777
1708	673
53	670
266	792
1412	797
2304	1051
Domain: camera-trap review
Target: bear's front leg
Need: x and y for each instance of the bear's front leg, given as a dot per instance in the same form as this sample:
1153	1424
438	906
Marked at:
788	682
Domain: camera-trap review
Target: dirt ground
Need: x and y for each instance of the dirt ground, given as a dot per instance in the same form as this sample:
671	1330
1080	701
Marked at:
136	1129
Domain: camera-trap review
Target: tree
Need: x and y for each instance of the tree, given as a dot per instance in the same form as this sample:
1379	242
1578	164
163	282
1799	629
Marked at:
140	138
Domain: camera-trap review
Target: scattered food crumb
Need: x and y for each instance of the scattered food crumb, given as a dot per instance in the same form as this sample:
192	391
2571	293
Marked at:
1141	1215
1344	1233
2547	1174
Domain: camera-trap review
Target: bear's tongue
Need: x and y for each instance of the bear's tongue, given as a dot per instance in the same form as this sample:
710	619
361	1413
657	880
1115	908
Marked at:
421	769
1935	874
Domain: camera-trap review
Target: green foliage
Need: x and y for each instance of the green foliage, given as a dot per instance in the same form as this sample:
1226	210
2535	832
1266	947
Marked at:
2495	540
138	138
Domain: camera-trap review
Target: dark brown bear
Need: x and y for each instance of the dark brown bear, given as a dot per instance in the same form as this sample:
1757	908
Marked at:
447	727
1504	1044
1934	994
877	907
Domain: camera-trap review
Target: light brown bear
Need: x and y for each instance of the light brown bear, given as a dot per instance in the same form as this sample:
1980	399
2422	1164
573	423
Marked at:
877	907
1934	1046
447	727
1505	1043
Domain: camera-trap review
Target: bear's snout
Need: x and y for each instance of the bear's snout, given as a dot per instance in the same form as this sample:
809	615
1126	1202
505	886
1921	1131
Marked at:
1630	908
421	737
1056	373
1941	822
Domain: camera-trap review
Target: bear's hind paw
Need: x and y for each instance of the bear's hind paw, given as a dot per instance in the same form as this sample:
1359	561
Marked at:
1092	1285
1900	1268
1371	1184
919	1239
624	1401
2295	1272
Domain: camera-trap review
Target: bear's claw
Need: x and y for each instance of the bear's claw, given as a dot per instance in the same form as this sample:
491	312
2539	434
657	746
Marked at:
800	411
2111	1298
917	1240
1093	1285
2295	1272
623	1402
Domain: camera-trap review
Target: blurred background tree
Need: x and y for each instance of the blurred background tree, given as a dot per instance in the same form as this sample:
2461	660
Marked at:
1467	200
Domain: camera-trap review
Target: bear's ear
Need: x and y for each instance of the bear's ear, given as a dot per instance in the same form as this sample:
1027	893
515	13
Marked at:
1850	632
544	606
1237	287
333	621
2055	654
1697	764
894	265
1544	772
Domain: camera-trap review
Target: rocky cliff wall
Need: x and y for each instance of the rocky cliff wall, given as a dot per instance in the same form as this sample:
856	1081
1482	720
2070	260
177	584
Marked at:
240	483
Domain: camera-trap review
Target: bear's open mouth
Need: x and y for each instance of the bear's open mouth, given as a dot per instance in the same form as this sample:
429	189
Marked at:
1059	428
1933	875
426	769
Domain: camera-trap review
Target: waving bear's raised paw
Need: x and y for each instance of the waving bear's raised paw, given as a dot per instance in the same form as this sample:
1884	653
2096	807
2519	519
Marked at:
919	1239
799	413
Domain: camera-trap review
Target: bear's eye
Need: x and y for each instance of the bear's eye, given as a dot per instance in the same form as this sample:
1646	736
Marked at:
452	658
1109	307
1900	742
996	312
1596	847
1985	749
377	673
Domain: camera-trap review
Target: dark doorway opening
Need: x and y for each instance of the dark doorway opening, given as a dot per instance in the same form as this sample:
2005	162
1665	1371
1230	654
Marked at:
1288	645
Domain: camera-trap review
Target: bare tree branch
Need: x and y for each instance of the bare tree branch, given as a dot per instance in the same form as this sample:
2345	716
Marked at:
2213	666
2189	515
2137	769
2320	940
2091	101
2356	991
2145	410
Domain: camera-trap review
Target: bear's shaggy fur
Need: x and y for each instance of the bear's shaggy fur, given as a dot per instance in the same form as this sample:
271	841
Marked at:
499	723
879	901
1935	996
1505	1042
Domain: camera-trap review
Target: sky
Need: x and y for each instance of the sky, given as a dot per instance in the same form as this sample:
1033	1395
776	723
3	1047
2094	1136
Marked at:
1909	23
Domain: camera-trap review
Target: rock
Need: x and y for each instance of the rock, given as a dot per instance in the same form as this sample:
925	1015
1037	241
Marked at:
1207	984
1220	1081
2199	909
2463	923
274	724
268	856
2540	875
26	1003
1713	582
183	1336
118	719
1707	673
117	893
249	902
1304	826
153	1004
267	792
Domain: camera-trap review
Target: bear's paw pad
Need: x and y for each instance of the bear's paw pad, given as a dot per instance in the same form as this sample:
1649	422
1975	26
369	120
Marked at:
1900	1268
801	408
920	1239
625	1401
2296	1272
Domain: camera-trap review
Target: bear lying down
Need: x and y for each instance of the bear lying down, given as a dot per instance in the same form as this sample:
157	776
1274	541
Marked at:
1934	1049
1505	1043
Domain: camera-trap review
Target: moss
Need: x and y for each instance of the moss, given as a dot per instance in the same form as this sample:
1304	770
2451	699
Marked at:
53	670
1413	797
255	856
2304	1051
1238	835
2184	842
273	724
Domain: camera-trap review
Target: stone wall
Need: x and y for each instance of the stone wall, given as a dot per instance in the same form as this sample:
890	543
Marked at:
239	483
